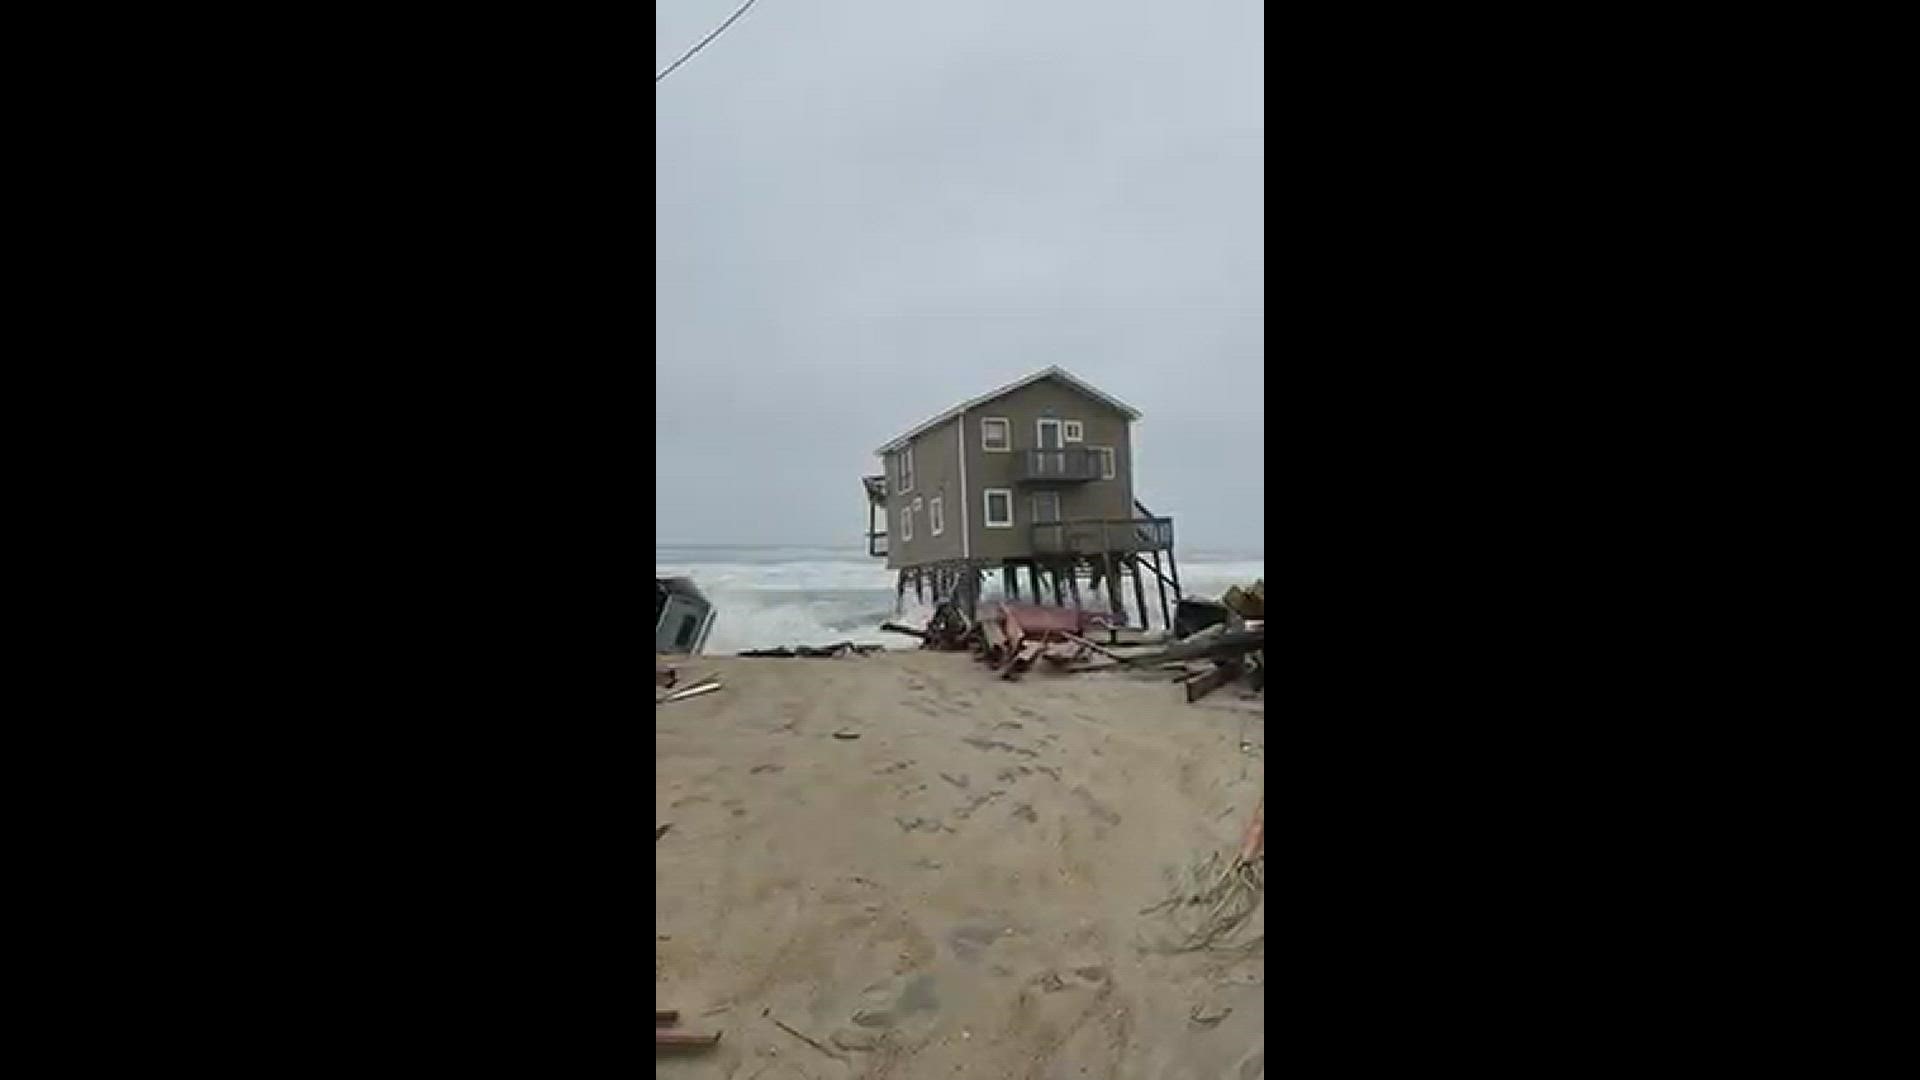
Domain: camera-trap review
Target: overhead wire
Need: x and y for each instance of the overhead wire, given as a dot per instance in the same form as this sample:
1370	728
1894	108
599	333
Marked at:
702	43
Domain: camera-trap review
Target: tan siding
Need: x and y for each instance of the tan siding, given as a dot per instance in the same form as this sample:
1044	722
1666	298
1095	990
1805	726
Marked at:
936	474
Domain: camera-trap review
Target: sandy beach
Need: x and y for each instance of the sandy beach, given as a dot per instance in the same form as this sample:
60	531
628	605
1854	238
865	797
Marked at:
958	891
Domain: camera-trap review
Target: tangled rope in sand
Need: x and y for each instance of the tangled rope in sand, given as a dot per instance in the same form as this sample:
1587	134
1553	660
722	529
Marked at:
1228	895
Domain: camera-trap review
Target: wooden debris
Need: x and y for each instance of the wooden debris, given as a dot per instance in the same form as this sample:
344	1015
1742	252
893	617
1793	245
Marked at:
846	734
661	830
692	691
844	648
663	1037
1108	653
663	676
834	1054
1201	685
894	627
1250	603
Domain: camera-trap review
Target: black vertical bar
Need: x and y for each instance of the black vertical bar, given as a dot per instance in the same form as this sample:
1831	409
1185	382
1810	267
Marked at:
1160	579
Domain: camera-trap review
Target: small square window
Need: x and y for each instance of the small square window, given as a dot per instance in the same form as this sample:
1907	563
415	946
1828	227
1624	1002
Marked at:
996	435
1073	431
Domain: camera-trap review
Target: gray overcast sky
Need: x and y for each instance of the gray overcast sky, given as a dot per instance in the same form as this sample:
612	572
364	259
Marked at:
869	211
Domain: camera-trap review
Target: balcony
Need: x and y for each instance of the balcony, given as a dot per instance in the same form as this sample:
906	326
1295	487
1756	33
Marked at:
1095	536
1067	465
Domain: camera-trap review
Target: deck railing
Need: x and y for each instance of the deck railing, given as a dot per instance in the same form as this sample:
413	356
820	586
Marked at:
1104	534
1069	464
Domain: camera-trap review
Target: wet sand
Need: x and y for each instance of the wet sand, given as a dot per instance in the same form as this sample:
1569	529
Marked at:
957	892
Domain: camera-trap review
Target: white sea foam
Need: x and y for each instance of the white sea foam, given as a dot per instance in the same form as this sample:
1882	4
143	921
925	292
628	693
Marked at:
769	597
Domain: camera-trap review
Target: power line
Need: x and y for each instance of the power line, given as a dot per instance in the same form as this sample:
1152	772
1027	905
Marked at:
717	31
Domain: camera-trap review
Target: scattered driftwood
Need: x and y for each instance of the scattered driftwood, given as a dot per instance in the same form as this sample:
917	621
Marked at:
661	830
663	676
896	628
844	648
689	692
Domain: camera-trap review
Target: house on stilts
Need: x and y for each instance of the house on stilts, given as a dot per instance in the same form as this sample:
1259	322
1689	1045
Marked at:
1034	481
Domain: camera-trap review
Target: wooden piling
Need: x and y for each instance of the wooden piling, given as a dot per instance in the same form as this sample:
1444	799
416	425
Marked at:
1139	593
1160	580
1114	603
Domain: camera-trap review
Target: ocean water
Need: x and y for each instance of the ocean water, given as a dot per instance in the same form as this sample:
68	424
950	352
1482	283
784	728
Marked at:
772	596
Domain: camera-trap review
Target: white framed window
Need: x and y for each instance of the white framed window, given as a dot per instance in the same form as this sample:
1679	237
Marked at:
936	519
905	469
1073	431
996	435
906	523
999	507
1105	454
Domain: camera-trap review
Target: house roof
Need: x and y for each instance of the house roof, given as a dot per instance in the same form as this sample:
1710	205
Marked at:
1050	372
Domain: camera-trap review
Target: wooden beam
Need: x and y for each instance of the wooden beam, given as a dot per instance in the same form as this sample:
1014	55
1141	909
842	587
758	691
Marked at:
1033	577
1010	580
1223	672
1139	592
1078	640
1073	582
1059	594
683	1038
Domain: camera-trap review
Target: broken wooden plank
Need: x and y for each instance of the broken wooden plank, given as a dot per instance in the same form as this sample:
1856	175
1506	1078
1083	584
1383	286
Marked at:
1023	659
1201	685
683	1038
665	1016
896	628
690	692
1108	653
